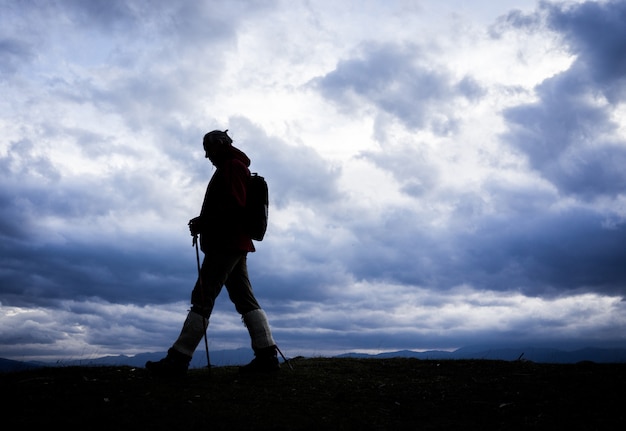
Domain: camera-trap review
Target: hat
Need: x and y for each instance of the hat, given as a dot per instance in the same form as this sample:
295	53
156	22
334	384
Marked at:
217	136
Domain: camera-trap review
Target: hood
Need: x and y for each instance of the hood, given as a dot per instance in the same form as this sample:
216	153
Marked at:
236	153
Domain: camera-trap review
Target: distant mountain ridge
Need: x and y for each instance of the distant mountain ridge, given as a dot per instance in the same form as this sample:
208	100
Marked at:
9	365
244	355
534	354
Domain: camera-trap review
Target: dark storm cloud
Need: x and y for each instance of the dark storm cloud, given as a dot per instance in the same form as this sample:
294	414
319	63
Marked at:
569	134
575	250
401	81
42	264
134	271
596	33
540	254
564	137
130	270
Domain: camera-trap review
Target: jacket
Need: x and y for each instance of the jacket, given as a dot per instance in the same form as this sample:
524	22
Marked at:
221	216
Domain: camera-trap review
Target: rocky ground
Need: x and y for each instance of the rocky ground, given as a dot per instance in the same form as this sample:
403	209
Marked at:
324	394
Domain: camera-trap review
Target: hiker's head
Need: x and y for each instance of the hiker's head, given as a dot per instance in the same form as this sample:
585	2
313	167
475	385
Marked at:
216	145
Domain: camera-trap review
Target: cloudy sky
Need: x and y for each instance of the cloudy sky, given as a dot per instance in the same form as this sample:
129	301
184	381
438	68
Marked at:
442	173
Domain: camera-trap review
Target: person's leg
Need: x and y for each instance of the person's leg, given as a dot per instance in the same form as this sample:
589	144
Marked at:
263	344
239	287
254	318
215	270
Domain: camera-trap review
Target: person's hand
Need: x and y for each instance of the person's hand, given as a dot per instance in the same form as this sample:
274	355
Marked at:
195	226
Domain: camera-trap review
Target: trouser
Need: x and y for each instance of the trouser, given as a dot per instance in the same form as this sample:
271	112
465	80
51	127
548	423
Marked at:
224	268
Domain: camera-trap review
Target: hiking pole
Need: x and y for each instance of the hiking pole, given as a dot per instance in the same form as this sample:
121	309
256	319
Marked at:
205	321
285	359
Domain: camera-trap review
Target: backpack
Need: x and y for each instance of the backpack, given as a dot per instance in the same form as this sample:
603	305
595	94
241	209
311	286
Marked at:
257	206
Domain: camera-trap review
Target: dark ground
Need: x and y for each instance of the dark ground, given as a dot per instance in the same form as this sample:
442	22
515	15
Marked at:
324	394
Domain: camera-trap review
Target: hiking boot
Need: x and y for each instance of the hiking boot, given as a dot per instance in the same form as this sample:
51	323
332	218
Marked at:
265	361
175	364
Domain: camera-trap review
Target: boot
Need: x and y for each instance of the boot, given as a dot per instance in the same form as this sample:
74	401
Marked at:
175	364
263	344
265	361
179	355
